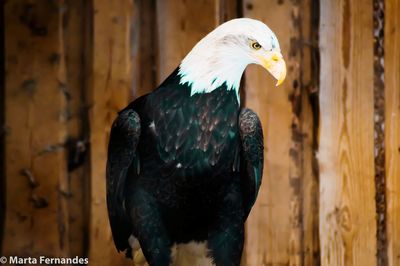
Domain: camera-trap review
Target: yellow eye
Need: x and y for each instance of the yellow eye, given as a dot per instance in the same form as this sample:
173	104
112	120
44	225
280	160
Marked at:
255	45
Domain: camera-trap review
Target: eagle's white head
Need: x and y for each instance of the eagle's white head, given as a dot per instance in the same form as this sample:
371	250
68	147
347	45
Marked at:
222	56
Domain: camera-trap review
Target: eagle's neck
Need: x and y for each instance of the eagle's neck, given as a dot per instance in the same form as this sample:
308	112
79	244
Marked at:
205	70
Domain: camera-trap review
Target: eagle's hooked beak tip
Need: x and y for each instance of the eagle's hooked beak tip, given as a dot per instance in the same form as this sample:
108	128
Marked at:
282	74
275	65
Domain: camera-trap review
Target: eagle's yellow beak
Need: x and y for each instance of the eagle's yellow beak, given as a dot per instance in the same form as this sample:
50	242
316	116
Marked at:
274	63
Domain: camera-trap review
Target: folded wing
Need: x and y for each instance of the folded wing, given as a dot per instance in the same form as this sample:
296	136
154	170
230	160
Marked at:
252	157
125	133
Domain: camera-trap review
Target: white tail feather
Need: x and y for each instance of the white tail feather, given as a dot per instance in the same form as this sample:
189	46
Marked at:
192	253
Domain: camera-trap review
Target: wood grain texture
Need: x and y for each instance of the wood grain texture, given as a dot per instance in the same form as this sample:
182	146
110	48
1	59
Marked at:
275	226
392	127
144	47
36	215
307	102
310	188
227	10
77	142
181	24
346	160
109	92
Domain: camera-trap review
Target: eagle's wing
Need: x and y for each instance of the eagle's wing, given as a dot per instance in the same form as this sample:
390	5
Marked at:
252	157
122	156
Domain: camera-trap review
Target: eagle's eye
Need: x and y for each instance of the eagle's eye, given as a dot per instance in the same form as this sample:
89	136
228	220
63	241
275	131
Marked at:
255	45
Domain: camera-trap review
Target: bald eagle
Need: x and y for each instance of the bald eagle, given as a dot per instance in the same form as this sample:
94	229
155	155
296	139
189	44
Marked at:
185	161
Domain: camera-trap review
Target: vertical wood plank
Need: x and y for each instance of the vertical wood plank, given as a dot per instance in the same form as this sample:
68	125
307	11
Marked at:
227	10
75	11
109	92
392	127
275	227
310	221
144	47
36	216
181	24
346	161
309	118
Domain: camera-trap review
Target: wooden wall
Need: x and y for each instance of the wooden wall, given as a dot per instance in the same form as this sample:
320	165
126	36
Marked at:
36	128
346	153
283	211
71	65
392	125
